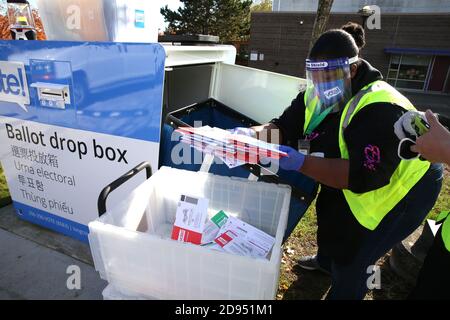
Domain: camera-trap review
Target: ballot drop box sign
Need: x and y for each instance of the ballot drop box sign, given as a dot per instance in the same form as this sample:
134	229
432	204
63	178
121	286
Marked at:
74	117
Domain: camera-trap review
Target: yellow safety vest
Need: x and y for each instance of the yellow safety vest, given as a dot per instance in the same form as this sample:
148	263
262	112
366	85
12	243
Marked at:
444	216
371	207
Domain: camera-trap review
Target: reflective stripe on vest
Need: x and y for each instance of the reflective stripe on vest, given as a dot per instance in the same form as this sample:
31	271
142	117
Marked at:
445	228
309	108
371	207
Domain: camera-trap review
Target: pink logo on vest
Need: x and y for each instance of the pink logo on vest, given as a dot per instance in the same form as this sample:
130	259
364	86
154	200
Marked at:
312	136
373	157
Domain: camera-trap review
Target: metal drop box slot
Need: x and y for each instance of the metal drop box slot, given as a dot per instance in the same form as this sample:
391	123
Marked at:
53	95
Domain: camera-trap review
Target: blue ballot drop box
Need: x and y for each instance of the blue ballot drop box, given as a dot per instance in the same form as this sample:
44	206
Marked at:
73	116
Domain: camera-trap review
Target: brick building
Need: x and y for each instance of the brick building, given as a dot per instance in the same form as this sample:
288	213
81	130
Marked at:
411	49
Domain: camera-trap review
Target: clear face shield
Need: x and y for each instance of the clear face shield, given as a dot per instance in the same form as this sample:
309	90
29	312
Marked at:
329	83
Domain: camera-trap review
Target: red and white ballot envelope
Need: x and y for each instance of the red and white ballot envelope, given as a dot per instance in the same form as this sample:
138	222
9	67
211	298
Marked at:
238	237
190	220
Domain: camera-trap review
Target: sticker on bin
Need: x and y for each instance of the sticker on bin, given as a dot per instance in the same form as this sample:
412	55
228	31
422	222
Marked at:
190	219
213	226
240	238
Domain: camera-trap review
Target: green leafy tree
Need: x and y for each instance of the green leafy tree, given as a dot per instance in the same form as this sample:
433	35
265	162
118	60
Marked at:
3	8
228	19
263	5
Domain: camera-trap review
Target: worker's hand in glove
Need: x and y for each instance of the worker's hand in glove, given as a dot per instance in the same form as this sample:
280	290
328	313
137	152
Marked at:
244	131
294	159
434	145
408	128
405	128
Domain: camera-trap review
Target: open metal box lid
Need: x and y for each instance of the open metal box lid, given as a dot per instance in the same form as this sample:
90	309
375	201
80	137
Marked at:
189	39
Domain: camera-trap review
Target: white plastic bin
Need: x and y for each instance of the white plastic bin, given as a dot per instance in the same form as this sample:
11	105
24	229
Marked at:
132	248
113	293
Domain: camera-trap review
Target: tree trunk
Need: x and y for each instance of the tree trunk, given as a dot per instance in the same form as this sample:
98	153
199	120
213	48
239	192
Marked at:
323	13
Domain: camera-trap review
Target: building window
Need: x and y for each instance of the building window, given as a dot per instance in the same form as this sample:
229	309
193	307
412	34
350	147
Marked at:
409	71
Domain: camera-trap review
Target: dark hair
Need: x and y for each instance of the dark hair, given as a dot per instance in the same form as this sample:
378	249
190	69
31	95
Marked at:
333	44
357	32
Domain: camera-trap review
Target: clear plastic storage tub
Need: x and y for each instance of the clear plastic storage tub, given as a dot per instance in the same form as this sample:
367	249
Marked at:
112	293
132	248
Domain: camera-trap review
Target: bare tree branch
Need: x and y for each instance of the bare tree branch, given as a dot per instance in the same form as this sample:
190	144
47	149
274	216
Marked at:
323	13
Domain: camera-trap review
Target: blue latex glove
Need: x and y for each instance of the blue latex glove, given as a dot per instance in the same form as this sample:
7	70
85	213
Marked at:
294	160
244	131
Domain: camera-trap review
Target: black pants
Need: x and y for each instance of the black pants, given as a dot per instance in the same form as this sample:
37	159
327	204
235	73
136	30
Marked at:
350	277
434	277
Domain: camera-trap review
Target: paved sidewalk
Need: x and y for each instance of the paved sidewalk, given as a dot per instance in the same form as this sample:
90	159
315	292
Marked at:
34	262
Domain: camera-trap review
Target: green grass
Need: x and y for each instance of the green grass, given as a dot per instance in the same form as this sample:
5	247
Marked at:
443	202
4	193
